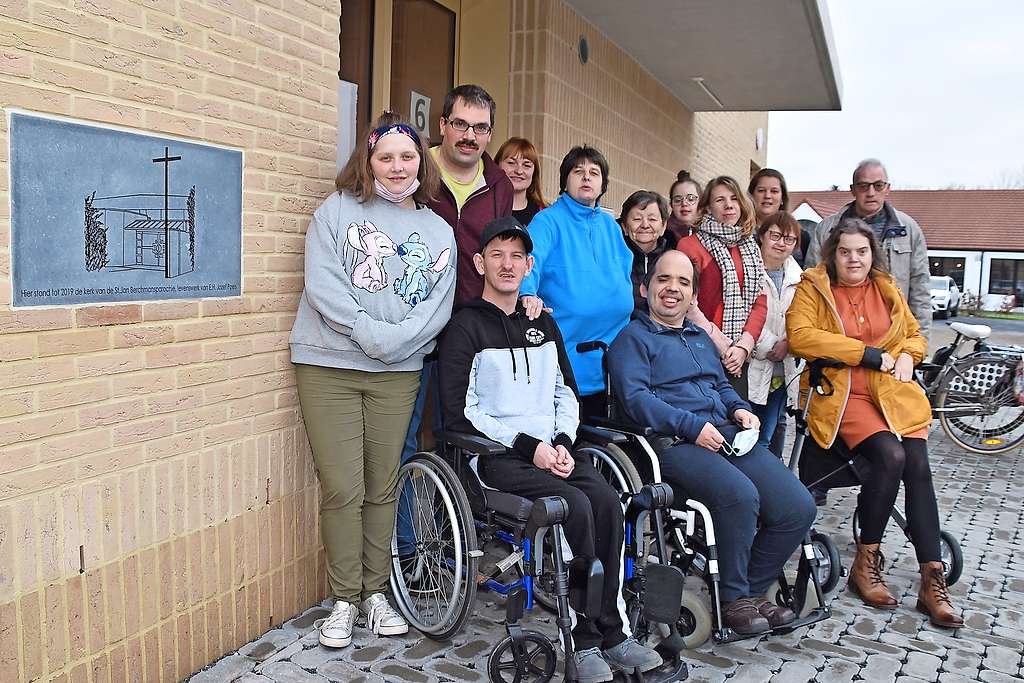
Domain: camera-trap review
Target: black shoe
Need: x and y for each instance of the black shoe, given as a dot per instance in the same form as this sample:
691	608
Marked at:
820	496
776	615
743	617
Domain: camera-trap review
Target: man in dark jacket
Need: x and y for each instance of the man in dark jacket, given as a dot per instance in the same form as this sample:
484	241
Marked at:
507	378
475	190
666	375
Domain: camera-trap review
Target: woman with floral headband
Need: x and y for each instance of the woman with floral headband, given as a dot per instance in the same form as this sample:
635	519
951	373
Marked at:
380	281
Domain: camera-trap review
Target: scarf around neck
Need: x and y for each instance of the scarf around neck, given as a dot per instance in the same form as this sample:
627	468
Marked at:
737	301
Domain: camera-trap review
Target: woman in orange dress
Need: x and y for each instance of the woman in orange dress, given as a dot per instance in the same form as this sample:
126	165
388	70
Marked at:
849	309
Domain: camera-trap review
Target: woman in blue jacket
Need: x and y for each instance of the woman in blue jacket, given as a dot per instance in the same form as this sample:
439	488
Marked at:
582	269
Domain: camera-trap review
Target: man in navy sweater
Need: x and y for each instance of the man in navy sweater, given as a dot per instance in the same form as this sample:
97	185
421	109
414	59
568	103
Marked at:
508	378
667	375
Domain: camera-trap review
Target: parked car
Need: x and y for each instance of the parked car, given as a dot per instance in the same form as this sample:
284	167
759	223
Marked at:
945	296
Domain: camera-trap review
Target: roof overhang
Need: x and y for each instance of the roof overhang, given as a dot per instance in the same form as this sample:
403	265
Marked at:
728	55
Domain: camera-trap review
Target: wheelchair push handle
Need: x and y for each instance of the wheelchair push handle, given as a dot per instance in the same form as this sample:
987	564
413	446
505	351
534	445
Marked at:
599	345
588	346
817	381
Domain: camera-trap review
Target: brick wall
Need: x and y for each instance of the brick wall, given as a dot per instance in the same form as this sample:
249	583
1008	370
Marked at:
612	103
157	500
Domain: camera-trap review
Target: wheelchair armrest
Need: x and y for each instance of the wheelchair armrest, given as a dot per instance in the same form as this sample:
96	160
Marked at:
621	426
472	443
599	435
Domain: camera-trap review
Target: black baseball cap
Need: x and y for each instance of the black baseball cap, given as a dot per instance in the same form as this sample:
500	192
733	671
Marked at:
506	225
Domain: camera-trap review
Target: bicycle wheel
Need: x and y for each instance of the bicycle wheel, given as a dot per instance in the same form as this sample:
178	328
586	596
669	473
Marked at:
976	405
434	553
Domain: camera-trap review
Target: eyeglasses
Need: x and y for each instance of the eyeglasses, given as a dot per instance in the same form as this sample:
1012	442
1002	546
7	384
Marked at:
879	185
679	200
463	126
788	240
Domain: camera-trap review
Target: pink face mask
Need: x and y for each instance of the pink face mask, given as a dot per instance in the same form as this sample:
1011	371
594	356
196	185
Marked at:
387	194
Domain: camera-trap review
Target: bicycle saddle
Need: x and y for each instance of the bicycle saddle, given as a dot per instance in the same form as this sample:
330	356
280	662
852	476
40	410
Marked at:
972	331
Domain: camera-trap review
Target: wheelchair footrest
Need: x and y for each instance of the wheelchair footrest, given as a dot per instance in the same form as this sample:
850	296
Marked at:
663	593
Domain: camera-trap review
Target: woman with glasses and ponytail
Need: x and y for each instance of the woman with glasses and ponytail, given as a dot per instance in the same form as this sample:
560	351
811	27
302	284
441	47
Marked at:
682	197
379	287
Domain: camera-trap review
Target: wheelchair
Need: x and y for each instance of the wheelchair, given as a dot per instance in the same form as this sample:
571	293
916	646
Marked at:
839	467
450	518
689	529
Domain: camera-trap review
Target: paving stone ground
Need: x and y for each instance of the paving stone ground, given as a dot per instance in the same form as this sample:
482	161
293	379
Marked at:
980	503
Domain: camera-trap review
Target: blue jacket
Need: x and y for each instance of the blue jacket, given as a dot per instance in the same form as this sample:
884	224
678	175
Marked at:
670	379
582	272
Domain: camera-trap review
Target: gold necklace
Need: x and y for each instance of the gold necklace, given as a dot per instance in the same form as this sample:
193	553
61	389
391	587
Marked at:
856	305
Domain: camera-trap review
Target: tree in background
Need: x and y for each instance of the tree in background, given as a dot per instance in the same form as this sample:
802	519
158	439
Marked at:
95	237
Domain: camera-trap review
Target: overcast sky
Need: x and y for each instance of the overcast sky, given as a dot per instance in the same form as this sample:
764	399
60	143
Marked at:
934	89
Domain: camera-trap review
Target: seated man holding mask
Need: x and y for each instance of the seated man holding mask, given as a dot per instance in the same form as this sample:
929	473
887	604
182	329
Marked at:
667	375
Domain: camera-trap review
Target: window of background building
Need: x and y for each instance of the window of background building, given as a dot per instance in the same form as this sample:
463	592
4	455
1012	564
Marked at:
951	266
1006	276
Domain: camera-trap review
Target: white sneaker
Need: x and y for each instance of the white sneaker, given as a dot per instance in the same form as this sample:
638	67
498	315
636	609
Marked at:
336	631
381	618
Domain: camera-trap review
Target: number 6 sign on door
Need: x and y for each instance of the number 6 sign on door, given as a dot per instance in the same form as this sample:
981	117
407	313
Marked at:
419	112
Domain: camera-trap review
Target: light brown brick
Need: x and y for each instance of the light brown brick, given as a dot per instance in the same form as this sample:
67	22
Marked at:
13	63
143	43
108	60
78	636
174	354
28	428
110	363
69	22
30	320
151	654
17	347
75	445
108	315
74	342
149	335
10	639
143	430
203	329
112	413
55	609
135	383
74	394
16	403
71	77
172	310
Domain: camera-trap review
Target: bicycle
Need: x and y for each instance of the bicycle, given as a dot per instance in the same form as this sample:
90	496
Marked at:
972	394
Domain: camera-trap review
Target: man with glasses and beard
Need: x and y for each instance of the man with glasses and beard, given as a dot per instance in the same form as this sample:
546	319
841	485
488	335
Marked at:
903	246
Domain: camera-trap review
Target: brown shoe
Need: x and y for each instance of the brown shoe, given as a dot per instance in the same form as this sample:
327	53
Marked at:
742	617
866	578
933	598
777	615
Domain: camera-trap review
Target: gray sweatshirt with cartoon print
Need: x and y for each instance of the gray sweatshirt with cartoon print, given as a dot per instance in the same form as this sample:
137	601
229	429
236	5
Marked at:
379	286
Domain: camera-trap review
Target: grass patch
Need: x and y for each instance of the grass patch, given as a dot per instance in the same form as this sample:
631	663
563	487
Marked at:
997	314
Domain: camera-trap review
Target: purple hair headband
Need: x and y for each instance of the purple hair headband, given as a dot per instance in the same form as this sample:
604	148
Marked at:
399	128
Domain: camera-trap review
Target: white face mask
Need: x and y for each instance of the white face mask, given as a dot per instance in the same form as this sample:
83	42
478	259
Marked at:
742	444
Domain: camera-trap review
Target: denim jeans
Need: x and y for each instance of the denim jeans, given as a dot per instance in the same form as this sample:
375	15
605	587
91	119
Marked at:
741	492
771	415
428	383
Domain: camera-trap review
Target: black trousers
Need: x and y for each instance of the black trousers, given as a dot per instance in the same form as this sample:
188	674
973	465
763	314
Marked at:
593	527
893	461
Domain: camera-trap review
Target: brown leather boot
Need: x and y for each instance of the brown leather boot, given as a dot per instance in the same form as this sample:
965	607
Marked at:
866	578
933	598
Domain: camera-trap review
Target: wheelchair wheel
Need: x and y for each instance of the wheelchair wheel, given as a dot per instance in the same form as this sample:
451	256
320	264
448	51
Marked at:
434	548
615	466
952	557
829	565
977	406
538	660
694	624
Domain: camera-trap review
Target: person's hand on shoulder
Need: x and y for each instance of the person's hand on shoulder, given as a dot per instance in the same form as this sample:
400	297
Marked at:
534	306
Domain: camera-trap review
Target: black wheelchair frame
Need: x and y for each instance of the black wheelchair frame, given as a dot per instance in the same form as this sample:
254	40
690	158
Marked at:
692	529
532	530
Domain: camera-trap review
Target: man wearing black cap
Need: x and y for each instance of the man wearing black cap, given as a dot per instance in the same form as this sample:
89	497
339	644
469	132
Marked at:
507	378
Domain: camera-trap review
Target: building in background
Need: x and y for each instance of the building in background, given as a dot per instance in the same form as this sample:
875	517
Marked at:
974	236
158	505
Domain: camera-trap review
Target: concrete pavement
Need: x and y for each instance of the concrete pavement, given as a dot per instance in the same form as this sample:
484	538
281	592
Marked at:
980	503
